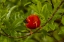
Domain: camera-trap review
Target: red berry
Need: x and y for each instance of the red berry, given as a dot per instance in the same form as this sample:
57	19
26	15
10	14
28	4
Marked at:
33	21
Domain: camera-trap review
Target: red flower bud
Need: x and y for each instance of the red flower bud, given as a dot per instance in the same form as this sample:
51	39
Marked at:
33	21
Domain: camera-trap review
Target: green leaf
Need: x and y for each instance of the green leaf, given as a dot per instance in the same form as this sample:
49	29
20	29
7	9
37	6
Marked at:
20	27
9	13
28	39
27	3
17	22
56	3
62	20
46	28
35	1
4	40
61	30
43	7
6	23
57	37
60	11
45	11
33	7
53	26
3	1
49	39
39	6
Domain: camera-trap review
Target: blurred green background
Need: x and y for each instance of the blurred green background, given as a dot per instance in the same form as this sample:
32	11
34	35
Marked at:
14	12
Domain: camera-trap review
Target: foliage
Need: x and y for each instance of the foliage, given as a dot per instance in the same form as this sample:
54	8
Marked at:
14	12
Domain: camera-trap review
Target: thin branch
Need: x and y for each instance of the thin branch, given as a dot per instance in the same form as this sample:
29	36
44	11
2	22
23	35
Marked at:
27	32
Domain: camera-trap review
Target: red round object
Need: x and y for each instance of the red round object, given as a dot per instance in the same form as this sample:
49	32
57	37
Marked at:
33	21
